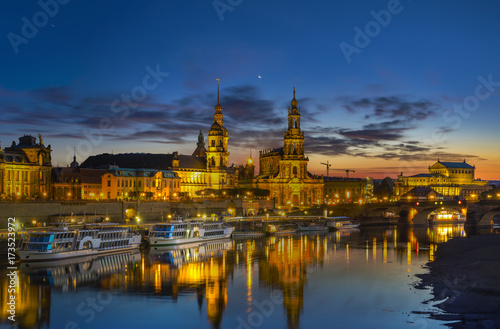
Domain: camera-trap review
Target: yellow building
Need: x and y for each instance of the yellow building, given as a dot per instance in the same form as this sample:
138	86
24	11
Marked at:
348	190
451	179
72	183
140	183
203	170
25	169
283	170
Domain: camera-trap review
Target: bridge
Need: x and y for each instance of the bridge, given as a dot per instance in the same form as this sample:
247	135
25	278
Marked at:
478	213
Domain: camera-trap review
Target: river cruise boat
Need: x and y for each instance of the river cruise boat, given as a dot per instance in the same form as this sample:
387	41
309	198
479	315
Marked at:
77	241
312	227
445	217
342	223
166	234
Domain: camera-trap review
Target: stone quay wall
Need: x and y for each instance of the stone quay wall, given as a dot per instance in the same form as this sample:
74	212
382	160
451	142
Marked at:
117	211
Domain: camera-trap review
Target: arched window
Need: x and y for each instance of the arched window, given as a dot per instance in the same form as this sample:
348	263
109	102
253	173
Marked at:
213	143
295	170
213	162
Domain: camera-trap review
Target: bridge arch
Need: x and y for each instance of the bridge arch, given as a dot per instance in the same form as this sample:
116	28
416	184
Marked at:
488	216
418	215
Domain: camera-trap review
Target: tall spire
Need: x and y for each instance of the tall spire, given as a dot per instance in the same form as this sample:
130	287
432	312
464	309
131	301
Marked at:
218	107
218	81
294	101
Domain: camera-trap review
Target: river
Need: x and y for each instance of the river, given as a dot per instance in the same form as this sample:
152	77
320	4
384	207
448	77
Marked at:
358	278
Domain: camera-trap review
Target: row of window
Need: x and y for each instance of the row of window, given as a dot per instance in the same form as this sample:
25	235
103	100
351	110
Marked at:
154	183
16	175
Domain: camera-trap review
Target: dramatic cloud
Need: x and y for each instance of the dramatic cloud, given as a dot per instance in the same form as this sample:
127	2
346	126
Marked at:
391	107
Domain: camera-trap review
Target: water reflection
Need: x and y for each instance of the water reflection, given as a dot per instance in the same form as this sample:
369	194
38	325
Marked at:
272	265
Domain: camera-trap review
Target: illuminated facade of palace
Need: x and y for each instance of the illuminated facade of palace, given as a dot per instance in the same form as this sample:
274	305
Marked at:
451	179
348	190
283	170
25	169
204	169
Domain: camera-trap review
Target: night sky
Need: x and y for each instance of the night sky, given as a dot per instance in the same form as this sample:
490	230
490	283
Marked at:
384	86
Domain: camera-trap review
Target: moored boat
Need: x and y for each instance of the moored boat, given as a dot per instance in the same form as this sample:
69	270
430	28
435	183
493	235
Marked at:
281	229
165	234
77	241
342	223
312	227
248	233
445	217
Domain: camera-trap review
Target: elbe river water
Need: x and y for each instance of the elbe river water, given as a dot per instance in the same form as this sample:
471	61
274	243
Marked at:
358	278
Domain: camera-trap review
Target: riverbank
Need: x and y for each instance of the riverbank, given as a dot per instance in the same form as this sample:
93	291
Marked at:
465	281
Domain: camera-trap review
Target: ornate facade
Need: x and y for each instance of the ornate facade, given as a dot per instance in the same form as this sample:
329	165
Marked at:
25	169
451	179
283	170
205	169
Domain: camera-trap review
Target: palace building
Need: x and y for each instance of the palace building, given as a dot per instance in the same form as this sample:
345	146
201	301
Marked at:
283	170
449	179
25	169
205	169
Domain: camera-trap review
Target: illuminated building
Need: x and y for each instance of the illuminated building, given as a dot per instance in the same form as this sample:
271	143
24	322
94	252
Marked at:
451	179
422	193
140	184
25	169
283	171
348	190
204	169
71	183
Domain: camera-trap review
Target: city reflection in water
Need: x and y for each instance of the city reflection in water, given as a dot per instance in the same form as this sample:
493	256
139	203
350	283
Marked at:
281	265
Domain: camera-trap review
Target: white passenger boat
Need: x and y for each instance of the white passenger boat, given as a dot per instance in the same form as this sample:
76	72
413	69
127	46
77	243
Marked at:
342	223
77	241
166	234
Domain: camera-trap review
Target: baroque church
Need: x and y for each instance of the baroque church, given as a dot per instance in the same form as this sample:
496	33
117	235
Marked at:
205	169
283	170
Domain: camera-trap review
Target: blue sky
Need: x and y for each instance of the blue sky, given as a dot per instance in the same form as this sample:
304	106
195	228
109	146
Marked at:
382	112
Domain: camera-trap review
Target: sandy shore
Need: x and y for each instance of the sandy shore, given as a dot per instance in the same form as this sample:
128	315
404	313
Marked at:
465	276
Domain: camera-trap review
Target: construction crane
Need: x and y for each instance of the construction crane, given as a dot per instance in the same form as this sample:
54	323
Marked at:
346	171
328	165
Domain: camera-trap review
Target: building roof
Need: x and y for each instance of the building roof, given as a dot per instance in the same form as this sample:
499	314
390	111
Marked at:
456	165
142	160
424	175
421	191
13	157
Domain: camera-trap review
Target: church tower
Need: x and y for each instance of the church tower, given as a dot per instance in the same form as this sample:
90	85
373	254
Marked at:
217	154
200	151
294	141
